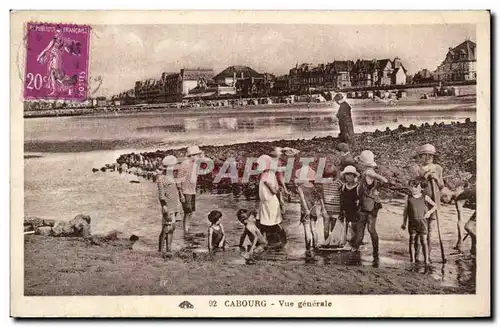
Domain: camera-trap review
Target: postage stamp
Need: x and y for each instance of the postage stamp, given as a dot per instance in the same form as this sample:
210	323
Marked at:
57	60
251	164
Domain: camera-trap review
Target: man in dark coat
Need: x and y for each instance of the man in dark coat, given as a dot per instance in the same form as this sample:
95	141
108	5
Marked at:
345	120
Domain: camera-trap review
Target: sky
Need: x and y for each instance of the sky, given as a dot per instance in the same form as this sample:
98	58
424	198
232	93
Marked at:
123	54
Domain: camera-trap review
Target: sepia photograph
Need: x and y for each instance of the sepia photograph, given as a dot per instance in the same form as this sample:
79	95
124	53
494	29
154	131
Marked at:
237	160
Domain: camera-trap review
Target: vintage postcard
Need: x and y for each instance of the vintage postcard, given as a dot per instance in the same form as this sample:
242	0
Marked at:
250	164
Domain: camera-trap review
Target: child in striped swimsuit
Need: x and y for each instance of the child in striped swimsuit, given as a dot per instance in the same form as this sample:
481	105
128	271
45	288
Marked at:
330	200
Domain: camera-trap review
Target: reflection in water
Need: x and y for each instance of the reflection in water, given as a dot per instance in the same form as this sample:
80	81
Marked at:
300	123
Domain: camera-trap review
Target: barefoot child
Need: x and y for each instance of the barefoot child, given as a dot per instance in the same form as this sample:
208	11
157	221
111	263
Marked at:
216	235
257	240
433	173
330	200
463	198
349	201
416	214
309	207
168	195
369	201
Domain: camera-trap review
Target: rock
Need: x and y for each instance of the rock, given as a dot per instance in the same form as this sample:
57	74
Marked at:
76	227
95	170
44	231
103	169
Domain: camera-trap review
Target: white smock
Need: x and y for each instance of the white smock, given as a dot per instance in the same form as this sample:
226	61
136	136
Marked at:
269	207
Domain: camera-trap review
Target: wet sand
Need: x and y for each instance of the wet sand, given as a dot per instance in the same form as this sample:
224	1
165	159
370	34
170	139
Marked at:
64	266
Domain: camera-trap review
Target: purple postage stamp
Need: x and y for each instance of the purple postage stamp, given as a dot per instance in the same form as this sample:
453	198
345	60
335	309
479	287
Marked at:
57	58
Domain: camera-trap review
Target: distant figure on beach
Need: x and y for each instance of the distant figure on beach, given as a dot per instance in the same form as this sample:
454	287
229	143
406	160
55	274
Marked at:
168	194
345	120
188	177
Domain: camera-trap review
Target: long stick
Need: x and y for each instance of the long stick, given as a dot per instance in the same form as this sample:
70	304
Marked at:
437	221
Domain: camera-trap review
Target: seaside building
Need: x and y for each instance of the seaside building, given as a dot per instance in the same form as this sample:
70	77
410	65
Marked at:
171	87
459	63
347	73
423	76
233	74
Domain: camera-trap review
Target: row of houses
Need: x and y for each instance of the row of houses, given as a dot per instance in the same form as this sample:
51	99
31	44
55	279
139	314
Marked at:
459	65
347	73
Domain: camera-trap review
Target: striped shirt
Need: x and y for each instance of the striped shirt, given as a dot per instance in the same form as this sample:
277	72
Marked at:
331	196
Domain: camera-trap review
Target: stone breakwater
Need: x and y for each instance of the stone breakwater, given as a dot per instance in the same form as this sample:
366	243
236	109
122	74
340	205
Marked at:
394	153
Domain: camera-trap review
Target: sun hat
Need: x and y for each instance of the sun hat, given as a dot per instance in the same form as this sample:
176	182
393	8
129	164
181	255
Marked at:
349	170
193	150
426	149
366	158
305	174
343	147
338	97
168	161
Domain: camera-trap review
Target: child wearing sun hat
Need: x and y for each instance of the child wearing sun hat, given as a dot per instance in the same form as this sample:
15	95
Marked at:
369	200
433	173
168	194
349	199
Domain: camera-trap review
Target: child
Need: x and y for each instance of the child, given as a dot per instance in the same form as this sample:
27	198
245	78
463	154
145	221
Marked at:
349	200
464	198
346	158
433	173
216	235
168	195
416	213
309	207
369	201
330	200
257	240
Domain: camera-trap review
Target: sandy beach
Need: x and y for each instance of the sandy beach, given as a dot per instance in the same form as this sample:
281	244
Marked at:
107	269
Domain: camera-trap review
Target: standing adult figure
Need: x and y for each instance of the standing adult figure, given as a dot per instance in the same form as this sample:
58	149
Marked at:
188	175
345	120
269	212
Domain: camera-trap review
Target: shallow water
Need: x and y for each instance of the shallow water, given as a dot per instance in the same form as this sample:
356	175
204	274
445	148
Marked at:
62	185
168	130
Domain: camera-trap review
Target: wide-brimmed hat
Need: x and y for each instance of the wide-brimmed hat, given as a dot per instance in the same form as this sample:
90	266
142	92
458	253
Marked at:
343	147
193	150
366	158
305	174
338	97
349	170
426	149
168	161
